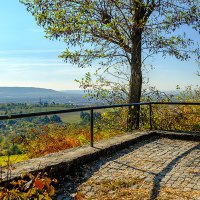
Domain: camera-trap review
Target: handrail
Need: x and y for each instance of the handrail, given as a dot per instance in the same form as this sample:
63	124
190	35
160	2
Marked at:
91	109
176	103
16	116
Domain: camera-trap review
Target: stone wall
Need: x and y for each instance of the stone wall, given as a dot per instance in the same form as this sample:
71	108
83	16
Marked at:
60	163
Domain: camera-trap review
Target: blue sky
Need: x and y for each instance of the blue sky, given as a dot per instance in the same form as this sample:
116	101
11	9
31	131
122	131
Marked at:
27	58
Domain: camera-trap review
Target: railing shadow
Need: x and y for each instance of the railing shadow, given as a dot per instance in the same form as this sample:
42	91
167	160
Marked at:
159	176
80	174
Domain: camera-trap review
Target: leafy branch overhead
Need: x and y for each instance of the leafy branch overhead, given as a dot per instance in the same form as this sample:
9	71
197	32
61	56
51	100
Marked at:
106	28
118	34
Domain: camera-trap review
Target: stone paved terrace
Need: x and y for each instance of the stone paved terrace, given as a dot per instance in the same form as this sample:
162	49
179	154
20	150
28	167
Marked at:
161	167
135	166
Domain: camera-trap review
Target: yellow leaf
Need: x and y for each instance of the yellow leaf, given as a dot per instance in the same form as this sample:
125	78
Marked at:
47	182
51	191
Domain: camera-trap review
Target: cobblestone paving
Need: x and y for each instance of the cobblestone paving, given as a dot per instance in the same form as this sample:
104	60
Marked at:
159	163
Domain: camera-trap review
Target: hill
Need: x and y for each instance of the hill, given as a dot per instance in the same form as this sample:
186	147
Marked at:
35	95
30	95
13	92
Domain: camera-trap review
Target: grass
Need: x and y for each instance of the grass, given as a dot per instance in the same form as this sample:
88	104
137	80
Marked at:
32	108
117	189
13	159
177	194
73	117
131	188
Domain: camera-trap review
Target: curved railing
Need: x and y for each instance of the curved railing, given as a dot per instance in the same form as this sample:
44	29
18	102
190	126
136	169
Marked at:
92	108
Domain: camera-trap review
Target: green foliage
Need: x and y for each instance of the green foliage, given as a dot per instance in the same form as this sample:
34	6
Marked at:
189	93
50	135
185	118
45	139
117	37
85	116
83	139
17	108
12	159
106	24
198	72
115	119
55	119
175	117
108	34
52	138
12	131
15	150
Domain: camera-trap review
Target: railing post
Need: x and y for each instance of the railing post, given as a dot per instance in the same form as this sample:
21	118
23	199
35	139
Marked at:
128	120
150	115
91	127
138	117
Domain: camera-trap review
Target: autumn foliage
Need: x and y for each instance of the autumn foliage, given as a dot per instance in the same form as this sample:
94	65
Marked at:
29	187
53	137
179	117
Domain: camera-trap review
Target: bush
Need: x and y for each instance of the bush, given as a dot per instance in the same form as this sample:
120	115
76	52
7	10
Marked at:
15	150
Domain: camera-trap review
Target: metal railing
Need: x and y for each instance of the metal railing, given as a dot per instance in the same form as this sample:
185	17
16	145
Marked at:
91	109
179	112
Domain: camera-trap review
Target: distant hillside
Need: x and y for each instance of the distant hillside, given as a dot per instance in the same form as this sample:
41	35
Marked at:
31	92
35	95
73	92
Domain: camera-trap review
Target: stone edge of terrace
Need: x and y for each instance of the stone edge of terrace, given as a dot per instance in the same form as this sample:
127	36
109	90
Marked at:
60	163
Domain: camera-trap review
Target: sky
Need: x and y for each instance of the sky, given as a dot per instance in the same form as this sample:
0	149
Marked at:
29	59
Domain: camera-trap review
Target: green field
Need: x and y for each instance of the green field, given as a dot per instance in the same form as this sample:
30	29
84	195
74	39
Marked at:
73	117
16	109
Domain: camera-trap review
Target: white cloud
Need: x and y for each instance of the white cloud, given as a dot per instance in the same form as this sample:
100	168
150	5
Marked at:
33	65
3	59
31	51
36	30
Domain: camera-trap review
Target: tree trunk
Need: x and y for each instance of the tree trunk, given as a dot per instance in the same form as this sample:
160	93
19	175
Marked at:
135	81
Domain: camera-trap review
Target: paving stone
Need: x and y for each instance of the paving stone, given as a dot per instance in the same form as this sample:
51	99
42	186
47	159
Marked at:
161	162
